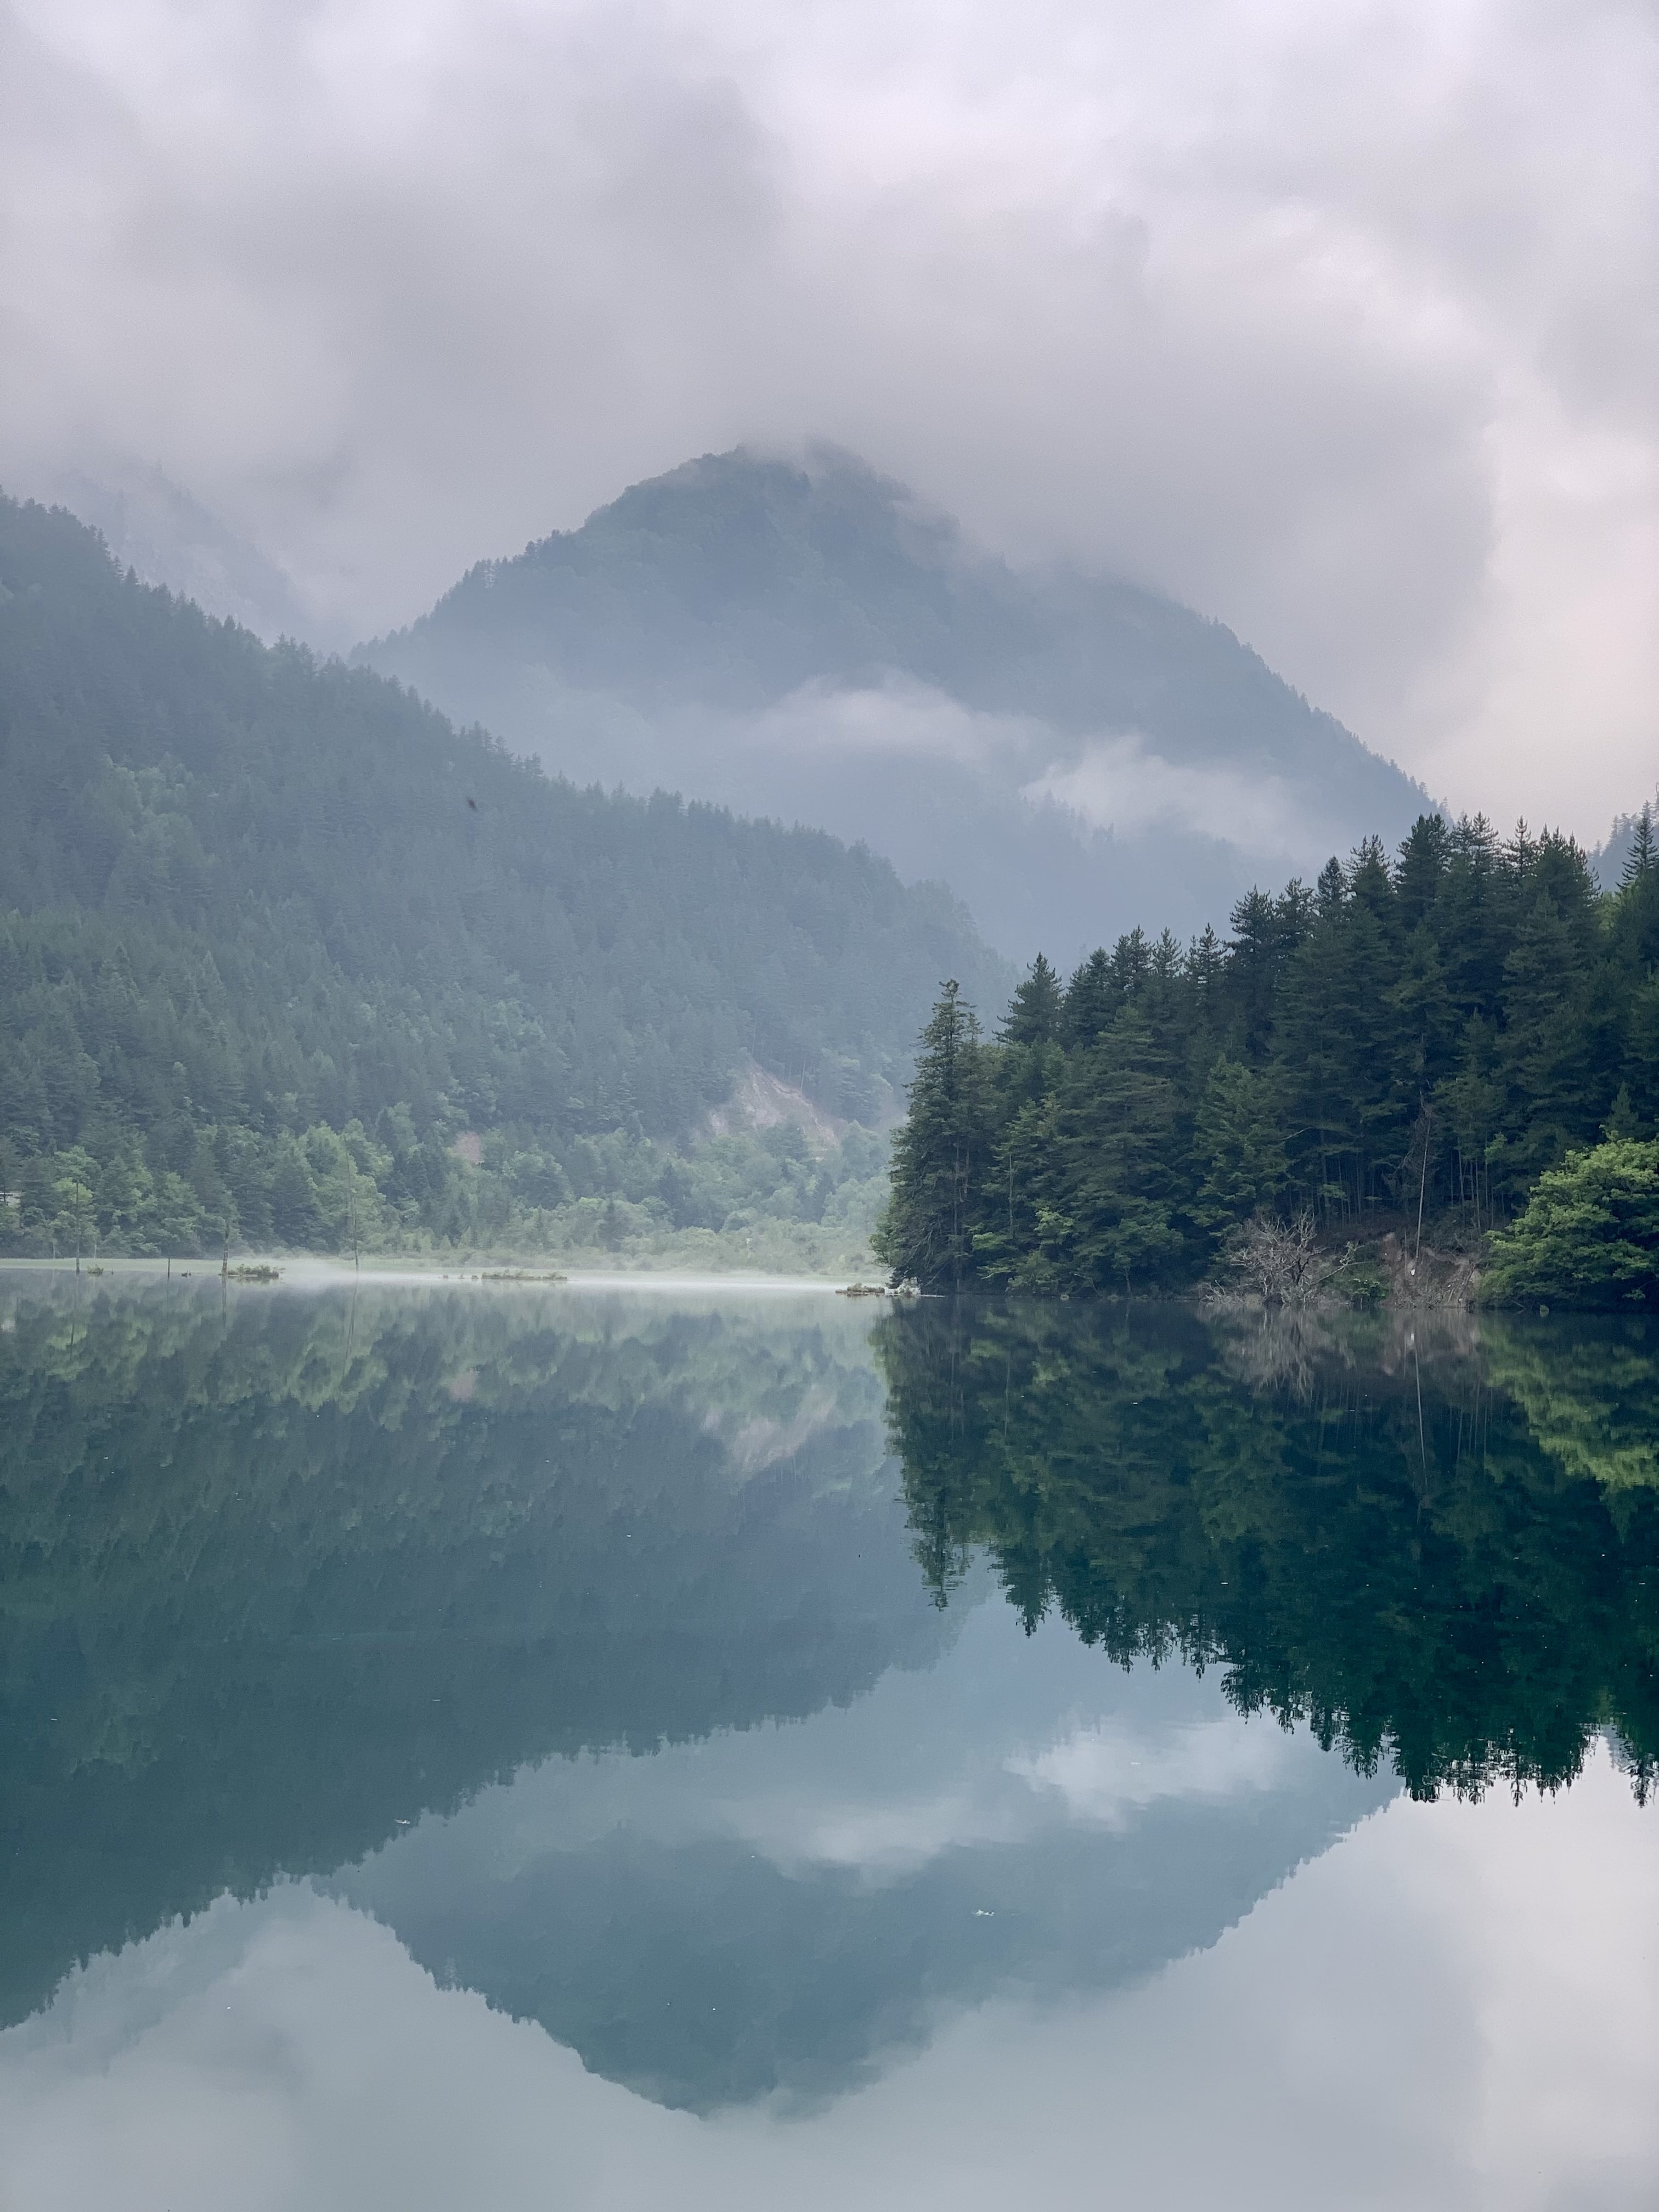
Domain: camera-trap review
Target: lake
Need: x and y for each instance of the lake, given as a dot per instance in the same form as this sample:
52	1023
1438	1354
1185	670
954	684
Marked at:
511	1745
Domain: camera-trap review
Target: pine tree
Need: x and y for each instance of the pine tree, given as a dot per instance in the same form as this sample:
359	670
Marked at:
1238	1141
1114	1163
1091	1000
1544	1056
1643	855
1636	922
1420	869
1034	1015
1255	960
941	1156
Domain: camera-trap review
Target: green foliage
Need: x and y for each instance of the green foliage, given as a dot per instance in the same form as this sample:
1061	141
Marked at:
1590	1398
1035	1013
1590	1235
1399	1547
1239	1141
1436	1032
1105	1217
247	900
940	1154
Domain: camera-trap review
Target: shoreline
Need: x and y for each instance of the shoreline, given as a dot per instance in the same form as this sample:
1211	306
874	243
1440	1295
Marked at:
308	1271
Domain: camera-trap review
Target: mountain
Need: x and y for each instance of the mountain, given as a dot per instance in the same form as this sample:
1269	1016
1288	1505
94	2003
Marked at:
155	526
1072	754
248	899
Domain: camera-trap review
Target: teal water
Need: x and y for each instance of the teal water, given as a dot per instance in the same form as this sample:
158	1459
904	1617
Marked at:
517	1745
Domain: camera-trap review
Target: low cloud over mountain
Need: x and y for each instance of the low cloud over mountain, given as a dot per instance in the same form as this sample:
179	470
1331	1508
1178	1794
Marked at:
1072	754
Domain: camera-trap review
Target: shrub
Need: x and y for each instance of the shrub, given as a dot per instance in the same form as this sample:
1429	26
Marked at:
1590	1236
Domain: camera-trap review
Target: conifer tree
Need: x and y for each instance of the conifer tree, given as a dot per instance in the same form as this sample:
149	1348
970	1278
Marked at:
1034	1015
1091	1000
1643	855
1239	1147
941	1156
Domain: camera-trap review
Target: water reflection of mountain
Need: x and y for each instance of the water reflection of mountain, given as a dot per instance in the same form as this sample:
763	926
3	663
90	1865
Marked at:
784	1909
274	1579
1439	1546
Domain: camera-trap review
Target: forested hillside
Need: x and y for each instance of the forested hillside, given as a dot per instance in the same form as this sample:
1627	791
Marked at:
273	934
1069	752
1427	1037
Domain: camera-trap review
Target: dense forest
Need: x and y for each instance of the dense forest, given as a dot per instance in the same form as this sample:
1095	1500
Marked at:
274	936
1417	1040
1445	1557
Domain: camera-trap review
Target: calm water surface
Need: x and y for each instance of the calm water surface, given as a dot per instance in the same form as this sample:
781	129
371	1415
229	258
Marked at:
517	1747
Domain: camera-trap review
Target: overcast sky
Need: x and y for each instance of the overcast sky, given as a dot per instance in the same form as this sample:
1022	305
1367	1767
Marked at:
1337	321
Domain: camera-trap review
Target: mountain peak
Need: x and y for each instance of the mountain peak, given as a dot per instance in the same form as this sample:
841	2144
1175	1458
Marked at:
792	488
797	634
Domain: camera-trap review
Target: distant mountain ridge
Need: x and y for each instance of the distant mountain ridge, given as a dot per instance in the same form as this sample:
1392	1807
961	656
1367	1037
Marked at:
1072	754
247	898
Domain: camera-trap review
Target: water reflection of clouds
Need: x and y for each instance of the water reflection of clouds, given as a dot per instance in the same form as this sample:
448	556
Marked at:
1458	2005
1104	1773
1098	1774
976	1752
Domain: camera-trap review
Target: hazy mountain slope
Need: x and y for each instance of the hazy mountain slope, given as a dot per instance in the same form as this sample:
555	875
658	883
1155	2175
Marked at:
1071	754
154	526
240	889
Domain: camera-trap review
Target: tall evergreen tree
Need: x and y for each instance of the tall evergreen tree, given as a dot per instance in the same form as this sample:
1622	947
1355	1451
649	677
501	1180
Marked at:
1238	1148
1035	1013
942	1155
1643	855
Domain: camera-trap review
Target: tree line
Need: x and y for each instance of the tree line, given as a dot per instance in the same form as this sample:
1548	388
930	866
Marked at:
1422	1038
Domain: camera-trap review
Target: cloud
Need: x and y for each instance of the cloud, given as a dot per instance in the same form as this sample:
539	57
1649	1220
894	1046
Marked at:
1117	784
899	716
1096	1775
1104	1774
886	1787
1341	323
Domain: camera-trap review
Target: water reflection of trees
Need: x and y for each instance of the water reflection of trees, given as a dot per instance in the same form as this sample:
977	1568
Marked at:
1439	1545
279	1571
